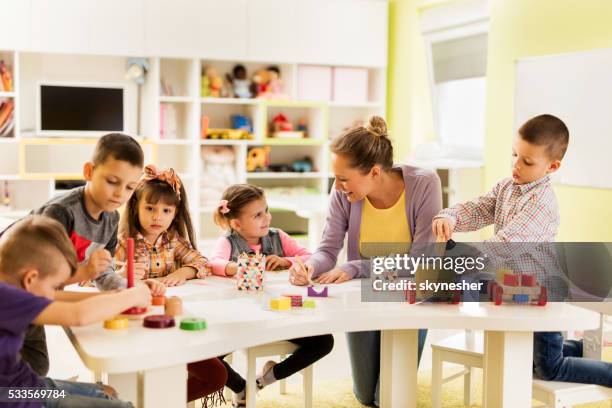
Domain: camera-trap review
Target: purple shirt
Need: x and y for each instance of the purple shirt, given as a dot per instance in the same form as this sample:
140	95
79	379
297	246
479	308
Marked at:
423	202
18	309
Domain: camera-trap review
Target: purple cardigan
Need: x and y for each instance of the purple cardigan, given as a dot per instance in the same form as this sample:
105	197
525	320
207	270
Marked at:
423	202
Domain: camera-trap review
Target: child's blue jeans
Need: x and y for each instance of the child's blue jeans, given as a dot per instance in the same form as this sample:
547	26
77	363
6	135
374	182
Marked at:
557	360
80	395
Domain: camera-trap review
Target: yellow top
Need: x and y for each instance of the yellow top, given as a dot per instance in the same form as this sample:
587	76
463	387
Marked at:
388	225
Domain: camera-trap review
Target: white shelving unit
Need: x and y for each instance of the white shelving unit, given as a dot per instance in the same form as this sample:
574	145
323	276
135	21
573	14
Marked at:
173	84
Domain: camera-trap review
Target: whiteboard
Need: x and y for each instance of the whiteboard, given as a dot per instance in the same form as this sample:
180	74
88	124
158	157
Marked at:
577	88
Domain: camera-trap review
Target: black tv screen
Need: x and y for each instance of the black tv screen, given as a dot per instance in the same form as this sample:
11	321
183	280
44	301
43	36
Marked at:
76	108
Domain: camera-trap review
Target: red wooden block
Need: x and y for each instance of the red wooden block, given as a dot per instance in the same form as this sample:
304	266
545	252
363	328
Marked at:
528	280
511	280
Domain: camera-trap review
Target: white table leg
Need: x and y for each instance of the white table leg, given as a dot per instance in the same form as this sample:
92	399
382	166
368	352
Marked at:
164	387
398	368
508	365
126	386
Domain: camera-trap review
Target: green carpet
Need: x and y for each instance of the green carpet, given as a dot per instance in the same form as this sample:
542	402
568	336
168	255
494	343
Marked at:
339	394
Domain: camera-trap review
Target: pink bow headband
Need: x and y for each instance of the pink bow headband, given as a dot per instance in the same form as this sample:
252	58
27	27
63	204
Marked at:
223	208
167	176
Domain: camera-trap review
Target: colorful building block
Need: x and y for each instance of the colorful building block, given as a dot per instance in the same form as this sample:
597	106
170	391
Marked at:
520	298
158	322
158	300
117	323
296	300
193	324
281	303
250	271
312	292
309	304
528	280
174	306
511	280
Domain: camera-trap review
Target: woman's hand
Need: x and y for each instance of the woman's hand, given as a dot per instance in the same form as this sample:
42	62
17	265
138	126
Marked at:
298	276
336	275
274	262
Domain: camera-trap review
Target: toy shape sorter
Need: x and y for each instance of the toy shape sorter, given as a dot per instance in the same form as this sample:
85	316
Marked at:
250	271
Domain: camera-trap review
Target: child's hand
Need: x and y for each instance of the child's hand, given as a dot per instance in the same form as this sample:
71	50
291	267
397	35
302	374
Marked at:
298	276
97	263
443	228
178	277
140	269
274	262
142	295
231	269
206	272
156	288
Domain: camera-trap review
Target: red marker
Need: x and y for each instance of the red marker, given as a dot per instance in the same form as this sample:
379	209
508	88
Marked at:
130	263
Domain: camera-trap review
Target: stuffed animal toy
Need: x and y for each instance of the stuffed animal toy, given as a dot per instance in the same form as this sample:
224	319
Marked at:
258	158
240	82
218	172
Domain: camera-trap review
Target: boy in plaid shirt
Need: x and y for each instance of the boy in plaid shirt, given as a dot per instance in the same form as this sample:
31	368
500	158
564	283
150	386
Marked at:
523	208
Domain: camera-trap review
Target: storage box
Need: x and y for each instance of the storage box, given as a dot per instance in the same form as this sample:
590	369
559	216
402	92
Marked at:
314	83
350	85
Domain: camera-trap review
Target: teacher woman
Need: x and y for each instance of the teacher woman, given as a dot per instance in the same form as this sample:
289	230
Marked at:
374	202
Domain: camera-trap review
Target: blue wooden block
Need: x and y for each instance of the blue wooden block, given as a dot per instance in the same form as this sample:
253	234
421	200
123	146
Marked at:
520	298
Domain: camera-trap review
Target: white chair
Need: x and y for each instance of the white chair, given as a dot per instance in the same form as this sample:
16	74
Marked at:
467	350
281	348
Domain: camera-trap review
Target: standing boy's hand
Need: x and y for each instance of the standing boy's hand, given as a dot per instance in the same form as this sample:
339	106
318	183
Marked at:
443	228
274	262
156	288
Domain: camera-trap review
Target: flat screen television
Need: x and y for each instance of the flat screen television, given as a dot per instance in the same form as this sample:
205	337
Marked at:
80	109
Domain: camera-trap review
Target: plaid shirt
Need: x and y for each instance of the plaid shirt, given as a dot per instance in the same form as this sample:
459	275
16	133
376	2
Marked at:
521	213
169	253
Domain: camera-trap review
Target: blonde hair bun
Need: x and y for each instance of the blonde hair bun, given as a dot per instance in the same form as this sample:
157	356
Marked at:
378	126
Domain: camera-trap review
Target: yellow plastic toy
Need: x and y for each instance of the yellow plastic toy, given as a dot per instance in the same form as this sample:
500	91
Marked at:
281	303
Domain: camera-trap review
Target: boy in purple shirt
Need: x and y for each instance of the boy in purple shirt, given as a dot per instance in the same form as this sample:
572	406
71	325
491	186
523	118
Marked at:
36	258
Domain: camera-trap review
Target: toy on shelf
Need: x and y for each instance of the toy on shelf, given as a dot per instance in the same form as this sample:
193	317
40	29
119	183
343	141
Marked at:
267	83
302	166
212	84
158	322
312	292
281	303
173	306
258	158
166	87
241	84
281	127
5	204
133	312
250	271
228	134
7	117
518	288
241	122
219	171
6	78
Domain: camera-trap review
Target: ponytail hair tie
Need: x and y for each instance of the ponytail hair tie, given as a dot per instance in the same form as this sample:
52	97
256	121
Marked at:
223	208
